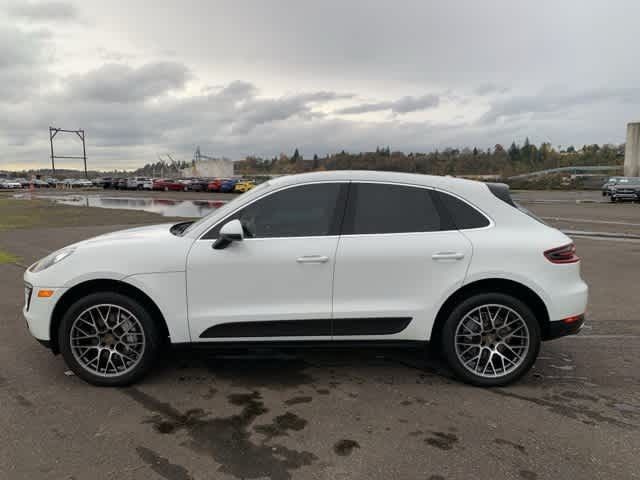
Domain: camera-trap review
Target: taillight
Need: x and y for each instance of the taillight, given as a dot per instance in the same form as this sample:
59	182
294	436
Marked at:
564	254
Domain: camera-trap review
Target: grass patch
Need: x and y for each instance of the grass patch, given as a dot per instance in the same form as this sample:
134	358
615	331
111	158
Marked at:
6	257
16	213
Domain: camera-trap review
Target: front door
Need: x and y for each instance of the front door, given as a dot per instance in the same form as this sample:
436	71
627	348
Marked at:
276	283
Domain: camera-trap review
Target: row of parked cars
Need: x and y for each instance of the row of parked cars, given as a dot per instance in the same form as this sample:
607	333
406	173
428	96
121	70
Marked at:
622	189
15	183
136	183
180	185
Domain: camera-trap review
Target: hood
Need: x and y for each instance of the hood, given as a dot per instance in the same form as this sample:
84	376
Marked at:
144	250
149	233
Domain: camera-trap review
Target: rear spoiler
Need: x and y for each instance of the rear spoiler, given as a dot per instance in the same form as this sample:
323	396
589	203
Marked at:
501	190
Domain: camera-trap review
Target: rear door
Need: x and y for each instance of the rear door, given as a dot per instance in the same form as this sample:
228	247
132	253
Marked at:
399	257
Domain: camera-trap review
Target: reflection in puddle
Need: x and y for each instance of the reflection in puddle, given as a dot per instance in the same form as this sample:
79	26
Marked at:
165	207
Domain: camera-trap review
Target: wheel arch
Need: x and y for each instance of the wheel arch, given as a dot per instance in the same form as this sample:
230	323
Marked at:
498	285
102	285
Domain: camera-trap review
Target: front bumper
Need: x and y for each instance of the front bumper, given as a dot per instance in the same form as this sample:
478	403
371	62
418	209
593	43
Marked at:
559	328
624	195
39	312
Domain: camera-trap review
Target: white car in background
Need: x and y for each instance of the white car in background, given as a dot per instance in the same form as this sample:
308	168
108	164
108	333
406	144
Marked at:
139	183
82	183
10	184
363	258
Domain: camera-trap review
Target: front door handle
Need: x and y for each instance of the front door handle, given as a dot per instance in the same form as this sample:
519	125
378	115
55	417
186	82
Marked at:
312	259
447	256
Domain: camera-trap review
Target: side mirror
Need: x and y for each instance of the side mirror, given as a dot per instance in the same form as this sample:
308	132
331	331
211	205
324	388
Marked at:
230	232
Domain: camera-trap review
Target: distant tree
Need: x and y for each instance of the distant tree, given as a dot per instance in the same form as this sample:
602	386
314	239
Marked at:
296	156
514	152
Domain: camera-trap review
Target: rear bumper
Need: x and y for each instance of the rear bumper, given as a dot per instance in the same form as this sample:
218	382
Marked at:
559	328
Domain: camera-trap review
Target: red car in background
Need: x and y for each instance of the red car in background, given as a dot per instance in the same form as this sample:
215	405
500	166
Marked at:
167	184
214	185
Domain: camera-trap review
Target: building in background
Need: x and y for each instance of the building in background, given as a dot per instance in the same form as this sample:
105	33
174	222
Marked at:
209	167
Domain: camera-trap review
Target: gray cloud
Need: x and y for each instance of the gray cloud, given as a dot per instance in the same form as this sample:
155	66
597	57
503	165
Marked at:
118	83
402	105
46	11
559	76
20	48
552	101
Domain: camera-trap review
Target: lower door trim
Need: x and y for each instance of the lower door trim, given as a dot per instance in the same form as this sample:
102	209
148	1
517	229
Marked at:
309	328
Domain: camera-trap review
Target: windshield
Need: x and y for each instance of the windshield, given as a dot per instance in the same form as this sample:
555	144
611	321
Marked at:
227	207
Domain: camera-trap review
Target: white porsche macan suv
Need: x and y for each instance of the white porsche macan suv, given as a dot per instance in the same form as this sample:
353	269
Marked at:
343	257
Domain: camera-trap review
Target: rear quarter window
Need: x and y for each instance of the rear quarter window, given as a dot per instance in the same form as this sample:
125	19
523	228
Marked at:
463	215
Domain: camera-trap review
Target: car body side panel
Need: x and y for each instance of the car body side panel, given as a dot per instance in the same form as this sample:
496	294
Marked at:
502	256
168	291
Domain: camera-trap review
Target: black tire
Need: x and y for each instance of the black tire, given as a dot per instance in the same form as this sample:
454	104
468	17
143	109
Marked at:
153	338
466	306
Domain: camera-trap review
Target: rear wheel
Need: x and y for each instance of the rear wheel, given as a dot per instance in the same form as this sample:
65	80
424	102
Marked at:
108	339
491	339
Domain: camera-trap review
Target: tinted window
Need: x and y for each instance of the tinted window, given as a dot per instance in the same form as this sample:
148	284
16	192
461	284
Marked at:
382	208
308	210
462	214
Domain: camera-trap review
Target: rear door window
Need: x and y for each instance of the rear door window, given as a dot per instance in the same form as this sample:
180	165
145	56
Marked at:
379	208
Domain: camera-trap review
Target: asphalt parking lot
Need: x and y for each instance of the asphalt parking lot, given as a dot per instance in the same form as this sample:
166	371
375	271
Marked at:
335	414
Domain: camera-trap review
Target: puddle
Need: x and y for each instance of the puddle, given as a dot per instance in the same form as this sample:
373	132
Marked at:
165	207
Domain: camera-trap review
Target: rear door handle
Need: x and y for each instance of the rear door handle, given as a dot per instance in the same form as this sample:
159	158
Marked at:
312	259
447	256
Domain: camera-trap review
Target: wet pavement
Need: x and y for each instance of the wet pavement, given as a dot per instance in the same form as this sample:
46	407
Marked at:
167	207
332	413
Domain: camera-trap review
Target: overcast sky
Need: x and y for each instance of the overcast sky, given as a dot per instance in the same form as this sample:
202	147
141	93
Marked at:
262	77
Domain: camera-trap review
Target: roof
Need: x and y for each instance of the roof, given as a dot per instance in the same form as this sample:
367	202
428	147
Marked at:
435	181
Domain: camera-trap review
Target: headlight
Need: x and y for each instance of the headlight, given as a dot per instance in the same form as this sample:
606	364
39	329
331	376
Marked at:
52	259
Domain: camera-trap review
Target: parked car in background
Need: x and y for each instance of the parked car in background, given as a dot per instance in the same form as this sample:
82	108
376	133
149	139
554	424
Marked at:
198	185
121	184
51	181
168	184
23	182
214	185
82	183
228	185
139	183
10	184
361	258
243	186
105	182
607	187
625	189
37	183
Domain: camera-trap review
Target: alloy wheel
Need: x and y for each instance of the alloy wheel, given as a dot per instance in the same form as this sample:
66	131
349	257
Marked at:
492	340
107	340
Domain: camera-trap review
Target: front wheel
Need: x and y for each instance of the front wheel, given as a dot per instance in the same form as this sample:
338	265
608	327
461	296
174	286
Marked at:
109	339
491	339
